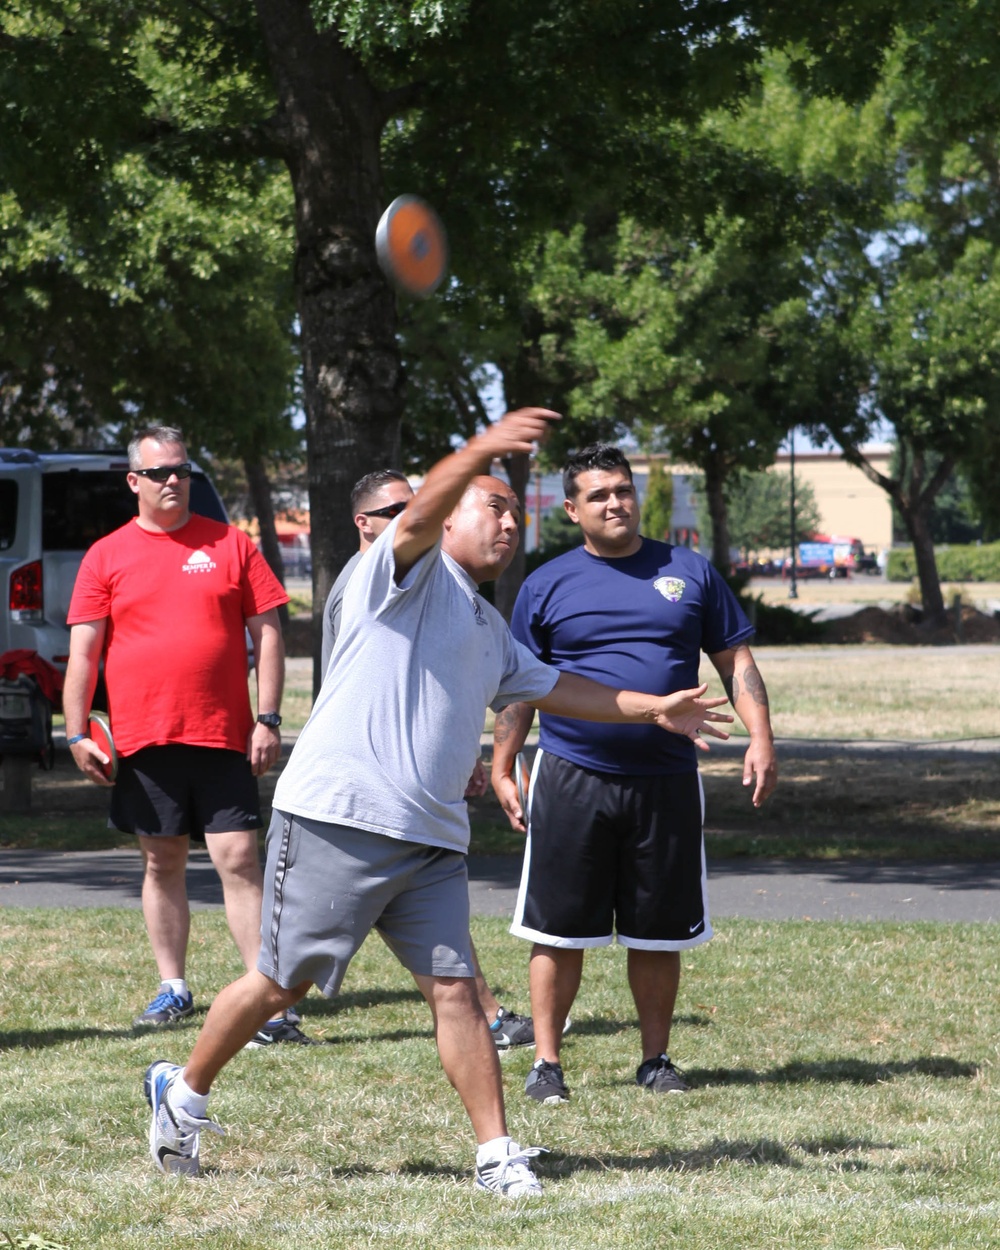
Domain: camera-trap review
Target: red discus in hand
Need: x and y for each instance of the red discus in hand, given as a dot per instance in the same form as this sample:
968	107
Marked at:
99	732
412	247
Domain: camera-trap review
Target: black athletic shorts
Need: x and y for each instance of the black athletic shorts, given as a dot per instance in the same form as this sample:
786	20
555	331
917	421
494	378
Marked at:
177	789
611	854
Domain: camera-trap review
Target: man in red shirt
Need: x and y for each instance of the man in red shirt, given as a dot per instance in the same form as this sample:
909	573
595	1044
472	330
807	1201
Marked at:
166	600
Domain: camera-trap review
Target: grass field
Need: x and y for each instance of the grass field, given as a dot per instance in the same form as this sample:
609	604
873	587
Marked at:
845	1096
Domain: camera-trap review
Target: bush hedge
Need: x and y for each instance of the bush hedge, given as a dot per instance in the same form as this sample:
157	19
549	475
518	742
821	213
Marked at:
969	563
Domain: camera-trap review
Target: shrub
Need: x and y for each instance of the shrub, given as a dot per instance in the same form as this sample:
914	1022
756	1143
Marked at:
969	563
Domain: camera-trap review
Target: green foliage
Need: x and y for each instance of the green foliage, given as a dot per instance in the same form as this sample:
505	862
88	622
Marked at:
658	503
779	626
559	534
138	285
759	512
974	563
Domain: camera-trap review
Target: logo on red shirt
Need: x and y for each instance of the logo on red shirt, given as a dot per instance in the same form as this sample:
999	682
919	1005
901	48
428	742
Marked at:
198	562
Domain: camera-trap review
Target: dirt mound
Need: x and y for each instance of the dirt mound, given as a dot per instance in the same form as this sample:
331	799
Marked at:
903	626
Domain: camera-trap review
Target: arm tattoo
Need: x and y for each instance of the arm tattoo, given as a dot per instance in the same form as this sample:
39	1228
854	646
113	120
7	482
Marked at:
505	722
754	684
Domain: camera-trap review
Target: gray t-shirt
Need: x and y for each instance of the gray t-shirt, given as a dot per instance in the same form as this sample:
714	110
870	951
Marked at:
394	734
332	609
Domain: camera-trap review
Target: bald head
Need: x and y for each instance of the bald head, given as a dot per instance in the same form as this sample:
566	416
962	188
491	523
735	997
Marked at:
482	532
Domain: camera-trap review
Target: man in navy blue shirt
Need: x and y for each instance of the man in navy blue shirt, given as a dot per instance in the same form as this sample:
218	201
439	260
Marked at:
615	813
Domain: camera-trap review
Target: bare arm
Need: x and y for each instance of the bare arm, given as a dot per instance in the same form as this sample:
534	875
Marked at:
264	744
748	695
419	528
510	729
86	642
683	712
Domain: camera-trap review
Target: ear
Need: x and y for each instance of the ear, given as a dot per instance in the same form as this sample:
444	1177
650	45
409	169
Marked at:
571	512
133	482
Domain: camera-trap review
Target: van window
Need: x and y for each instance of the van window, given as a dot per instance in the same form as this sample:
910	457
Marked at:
80	506
8	513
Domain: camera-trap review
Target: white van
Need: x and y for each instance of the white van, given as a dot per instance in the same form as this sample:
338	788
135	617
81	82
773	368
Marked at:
53	505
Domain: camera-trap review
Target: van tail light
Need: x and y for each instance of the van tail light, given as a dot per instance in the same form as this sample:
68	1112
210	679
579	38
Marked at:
26	593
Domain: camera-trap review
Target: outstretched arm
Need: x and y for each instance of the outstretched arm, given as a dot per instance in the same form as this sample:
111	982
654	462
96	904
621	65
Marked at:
748	695
684	712
419	528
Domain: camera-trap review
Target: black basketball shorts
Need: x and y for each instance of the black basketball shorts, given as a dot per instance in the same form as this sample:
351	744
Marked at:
611	854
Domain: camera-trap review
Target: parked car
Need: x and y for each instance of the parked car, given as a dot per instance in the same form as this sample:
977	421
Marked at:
53	505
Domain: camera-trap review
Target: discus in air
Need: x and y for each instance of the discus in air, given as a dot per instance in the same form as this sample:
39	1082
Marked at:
522	776
412	247
99	732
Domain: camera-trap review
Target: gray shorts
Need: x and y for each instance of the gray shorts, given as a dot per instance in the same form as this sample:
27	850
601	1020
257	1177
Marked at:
327	886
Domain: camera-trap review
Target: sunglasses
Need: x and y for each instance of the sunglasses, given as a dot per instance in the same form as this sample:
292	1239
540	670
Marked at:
164	472
390	510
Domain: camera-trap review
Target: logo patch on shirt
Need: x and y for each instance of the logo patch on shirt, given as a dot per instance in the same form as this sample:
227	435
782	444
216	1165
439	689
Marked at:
198	562
477	608
671	588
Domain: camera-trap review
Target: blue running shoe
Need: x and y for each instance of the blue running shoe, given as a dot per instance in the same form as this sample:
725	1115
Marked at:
173	1134
166	1008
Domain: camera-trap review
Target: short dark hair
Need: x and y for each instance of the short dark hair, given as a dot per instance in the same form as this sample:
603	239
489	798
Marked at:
366	486
161	434
596	456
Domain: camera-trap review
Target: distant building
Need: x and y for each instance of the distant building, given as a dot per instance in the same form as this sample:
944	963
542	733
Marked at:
848	502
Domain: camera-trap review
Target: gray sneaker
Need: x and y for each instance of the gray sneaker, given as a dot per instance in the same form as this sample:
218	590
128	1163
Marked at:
284	1032
660	1076
509	1030
173	1134
545	1084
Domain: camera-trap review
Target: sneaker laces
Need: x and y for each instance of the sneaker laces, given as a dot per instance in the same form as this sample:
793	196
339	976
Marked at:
515	1169
166	998
189	1126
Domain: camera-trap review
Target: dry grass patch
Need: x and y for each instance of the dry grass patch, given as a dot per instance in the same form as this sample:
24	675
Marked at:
877	693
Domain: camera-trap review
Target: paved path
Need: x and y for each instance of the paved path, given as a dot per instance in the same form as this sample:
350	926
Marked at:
760	889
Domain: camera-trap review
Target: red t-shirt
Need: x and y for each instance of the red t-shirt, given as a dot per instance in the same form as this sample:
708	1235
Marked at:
175	658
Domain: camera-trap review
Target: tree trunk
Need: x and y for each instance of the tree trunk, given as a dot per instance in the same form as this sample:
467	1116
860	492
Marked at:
330	119
718	511
915	499
918	528
263	507
914	493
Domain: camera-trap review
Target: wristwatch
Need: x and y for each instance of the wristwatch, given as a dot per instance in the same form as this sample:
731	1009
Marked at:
271	719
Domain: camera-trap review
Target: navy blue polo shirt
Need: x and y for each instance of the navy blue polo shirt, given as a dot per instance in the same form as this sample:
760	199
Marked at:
638	623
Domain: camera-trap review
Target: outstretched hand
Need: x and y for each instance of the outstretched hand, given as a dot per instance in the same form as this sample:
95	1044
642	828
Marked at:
517	431
685	712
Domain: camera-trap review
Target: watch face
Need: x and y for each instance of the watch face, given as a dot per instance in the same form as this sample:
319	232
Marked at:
271	719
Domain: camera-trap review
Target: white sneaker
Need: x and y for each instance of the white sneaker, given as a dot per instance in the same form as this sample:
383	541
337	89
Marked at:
511	1177
173	1134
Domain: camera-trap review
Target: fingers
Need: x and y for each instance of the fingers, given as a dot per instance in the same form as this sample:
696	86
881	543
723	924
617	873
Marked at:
506	792
90	760
521	429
